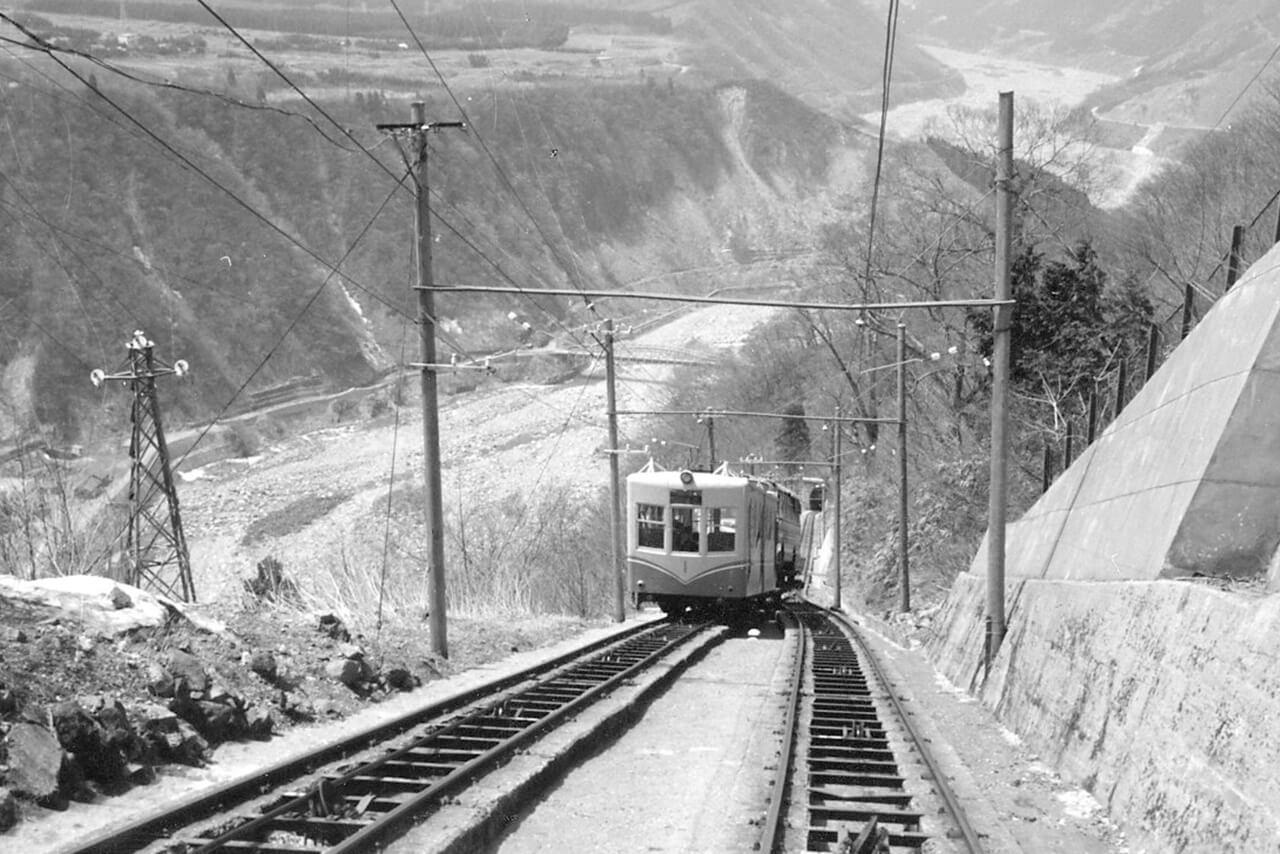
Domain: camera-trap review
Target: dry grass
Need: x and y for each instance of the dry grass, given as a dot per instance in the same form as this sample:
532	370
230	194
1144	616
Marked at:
505	558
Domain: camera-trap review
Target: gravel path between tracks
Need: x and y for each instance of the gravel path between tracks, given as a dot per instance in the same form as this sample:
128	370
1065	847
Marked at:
693	774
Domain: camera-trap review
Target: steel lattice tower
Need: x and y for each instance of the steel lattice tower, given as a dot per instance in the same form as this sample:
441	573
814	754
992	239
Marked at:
157	549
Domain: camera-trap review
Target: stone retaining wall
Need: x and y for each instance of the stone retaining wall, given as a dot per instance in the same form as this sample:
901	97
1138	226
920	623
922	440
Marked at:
1160	697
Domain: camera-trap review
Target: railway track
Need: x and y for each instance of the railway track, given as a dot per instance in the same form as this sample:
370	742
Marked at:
394	775
859	778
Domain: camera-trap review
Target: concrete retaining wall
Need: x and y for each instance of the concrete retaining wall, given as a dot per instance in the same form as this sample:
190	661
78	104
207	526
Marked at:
1187	479
1160	697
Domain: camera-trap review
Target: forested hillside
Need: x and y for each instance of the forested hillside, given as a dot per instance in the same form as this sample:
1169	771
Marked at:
216	227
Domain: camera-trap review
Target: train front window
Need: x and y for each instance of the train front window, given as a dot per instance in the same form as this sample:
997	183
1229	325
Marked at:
649	526
721	526
685	522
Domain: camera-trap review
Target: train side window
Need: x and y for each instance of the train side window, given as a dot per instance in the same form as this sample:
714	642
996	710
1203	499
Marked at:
721	526
649	526
685	522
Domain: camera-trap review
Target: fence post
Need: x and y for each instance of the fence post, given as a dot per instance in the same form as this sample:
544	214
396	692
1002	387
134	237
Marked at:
1233	259
1092	428
1153	343
1188	307
1121	381
1046	476
1071	437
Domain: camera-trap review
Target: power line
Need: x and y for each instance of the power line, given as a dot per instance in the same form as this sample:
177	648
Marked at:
43	46
315	295
51	50
551	246
1246	88
193	166
890	37
349	135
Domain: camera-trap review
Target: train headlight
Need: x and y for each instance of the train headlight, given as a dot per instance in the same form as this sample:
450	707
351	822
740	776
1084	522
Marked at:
686	477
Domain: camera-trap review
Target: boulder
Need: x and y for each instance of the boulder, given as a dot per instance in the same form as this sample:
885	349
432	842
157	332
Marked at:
8	810
73	784
159	681
263	663
259	723
76	731
112	716
154	724
86	739
218	721
400	679
349	671
140	775
35	759
334	628
189	674
350	650
154	719
186	745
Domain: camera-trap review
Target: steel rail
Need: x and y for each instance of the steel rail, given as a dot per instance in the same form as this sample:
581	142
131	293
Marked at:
315	805
769	836
140	833
408	811
957	812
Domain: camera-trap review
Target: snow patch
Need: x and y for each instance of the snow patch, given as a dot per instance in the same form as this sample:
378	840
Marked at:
1078	803
949	687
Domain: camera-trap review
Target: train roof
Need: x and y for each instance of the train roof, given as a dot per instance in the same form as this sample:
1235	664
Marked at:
686	479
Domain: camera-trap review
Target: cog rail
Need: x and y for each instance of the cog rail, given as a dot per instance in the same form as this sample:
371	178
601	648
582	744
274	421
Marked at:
855	795
365	805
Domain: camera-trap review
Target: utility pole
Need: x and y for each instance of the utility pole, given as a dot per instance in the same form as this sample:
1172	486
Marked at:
158	556
417	130
1000	382
836	450
615	498
711	442
905	580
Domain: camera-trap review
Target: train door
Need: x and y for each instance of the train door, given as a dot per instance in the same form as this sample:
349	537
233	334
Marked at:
754	554
769	577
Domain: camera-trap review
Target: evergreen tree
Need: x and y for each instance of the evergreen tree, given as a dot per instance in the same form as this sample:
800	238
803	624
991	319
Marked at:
793	438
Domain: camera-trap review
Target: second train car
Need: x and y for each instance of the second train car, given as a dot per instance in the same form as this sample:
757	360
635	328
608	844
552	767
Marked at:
707	539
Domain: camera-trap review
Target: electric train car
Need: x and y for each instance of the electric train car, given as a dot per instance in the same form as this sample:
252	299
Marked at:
698	539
